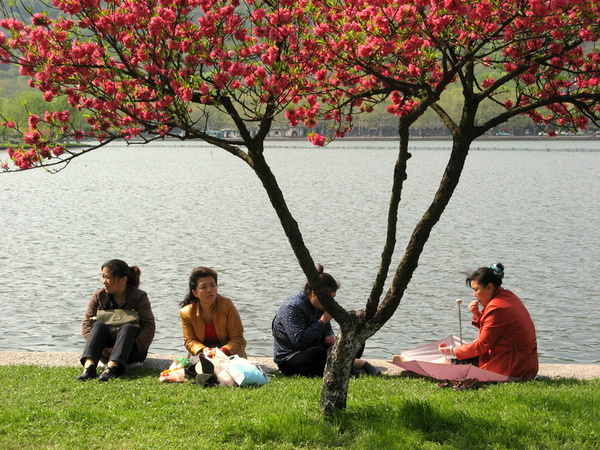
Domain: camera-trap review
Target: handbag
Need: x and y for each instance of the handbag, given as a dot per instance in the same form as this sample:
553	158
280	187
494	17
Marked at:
114	319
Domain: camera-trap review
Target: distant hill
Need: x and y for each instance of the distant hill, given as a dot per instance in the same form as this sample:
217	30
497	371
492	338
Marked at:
21	10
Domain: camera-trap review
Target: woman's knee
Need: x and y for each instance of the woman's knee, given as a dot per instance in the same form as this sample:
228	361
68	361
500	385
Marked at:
99	326
128	328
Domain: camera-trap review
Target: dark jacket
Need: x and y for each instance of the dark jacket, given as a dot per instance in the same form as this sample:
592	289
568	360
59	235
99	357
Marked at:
296	327
134	299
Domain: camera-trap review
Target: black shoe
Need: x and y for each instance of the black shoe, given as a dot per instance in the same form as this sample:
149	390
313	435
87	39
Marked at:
355	373
371	369
109	372
88	373
206	379
205	366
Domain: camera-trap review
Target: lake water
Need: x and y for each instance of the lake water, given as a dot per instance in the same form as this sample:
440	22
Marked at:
170	207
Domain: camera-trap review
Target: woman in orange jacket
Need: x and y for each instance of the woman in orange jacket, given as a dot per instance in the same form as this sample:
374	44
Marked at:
209	320
507	342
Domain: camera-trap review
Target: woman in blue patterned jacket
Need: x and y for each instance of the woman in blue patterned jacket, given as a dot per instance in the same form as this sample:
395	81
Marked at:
303	333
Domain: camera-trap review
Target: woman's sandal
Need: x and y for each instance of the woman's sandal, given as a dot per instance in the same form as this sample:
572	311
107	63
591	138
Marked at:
469	383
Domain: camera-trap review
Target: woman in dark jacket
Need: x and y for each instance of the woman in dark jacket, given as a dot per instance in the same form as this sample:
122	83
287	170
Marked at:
303	333
130	343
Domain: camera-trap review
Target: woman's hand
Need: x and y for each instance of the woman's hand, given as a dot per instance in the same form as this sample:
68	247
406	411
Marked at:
329	340
445	349
474	308
209	352
326	317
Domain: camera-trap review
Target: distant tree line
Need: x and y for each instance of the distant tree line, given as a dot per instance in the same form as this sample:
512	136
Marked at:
17	100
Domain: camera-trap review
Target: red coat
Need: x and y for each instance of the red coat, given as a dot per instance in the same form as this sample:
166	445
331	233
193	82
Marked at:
506	343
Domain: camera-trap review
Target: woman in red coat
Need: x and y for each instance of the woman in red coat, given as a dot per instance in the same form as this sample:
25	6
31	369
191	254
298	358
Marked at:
506	343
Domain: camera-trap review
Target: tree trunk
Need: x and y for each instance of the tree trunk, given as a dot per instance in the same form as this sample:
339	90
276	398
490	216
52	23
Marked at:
337	372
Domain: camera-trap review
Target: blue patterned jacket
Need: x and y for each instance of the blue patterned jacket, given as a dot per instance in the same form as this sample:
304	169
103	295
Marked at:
296	327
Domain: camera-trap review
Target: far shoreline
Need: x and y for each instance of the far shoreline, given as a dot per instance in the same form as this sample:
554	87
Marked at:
448	138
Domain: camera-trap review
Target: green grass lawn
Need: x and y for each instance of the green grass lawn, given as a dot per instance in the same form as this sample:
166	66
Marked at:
47	408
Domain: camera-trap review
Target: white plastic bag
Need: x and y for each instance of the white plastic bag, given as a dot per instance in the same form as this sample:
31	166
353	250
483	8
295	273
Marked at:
220	360
235	371
176	372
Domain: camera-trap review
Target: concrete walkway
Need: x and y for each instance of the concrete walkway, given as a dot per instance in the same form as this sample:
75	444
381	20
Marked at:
161	362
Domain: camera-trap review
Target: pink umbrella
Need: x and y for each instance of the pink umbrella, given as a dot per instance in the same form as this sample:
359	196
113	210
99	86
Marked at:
425	360
449	371
429	352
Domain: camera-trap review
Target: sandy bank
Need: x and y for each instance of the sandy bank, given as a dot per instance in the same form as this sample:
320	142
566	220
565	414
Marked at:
161	362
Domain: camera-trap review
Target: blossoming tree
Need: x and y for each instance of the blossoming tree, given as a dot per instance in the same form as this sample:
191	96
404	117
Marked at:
147	69
531	57
154	68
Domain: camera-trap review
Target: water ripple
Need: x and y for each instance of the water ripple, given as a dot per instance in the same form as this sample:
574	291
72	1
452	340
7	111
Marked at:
170	208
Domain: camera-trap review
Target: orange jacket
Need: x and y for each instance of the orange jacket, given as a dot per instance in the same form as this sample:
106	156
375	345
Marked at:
228	326
506	343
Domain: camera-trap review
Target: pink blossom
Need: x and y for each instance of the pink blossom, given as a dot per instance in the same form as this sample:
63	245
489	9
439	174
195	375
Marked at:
321	29
221	80
258	14
40	20
317	139
44	152
587	35
292	117
488	82
32	137
34	121
414	71
62	116
186	95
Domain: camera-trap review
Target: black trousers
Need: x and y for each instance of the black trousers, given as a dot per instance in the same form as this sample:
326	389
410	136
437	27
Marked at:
309	362
124	351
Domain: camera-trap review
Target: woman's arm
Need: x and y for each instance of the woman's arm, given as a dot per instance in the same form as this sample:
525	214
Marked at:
301	331
147	322
91	311
236	344
192	334
493	326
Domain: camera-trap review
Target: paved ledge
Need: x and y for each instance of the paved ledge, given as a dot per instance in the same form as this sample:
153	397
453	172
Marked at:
161	362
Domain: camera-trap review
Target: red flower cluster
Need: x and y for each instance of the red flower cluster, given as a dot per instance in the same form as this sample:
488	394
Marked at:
137	66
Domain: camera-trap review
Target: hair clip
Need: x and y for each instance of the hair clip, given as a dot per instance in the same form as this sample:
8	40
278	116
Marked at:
497	271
